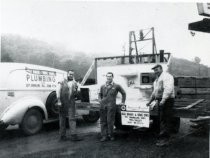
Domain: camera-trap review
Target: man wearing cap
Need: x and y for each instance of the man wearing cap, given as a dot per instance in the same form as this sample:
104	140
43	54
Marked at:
164	94
107	98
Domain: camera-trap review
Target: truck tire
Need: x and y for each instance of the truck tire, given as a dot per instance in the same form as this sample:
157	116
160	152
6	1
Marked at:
175	124
52	109
92	117
32	122
155	124
3	127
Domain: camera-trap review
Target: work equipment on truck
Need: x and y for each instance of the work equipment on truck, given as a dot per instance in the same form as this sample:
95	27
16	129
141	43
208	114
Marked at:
135	75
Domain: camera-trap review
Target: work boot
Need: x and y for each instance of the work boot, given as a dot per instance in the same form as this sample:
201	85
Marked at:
163	135
75	137
63	138
112	138
162	142
103	139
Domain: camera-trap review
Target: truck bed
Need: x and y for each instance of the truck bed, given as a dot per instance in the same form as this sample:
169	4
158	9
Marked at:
188	108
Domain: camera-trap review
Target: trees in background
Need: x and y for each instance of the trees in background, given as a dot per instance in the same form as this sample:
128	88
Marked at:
15	48
183	67
18	49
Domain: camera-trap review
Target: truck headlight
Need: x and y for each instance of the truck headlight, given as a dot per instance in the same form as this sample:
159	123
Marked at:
123	107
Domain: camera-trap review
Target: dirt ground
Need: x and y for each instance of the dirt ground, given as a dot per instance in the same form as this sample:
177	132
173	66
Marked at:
128	144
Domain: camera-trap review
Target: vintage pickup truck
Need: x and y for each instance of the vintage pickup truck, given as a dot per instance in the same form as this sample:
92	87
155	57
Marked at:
192	92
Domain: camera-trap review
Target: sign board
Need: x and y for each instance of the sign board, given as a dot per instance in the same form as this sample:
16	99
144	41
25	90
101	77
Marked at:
204	9
34	78
40	78
134	118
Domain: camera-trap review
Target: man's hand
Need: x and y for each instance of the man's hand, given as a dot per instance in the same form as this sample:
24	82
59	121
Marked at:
148	104
162	102
122	104
59	103
99	100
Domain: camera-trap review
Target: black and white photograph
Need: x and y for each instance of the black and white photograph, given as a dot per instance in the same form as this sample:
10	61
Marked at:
104	79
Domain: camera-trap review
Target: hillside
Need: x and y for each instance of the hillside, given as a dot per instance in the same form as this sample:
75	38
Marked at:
26	50
15	48
183	67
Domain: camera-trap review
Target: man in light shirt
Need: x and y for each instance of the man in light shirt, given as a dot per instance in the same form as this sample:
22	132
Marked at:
163	93
66	91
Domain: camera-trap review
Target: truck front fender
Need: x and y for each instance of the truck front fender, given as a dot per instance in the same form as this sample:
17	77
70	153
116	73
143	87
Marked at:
16	111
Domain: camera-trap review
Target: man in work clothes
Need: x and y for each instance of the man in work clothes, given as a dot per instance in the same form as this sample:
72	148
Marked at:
164	94
107	98
66	91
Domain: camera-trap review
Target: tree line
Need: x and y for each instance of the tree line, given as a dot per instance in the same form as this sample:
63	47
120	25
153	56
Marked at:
15	48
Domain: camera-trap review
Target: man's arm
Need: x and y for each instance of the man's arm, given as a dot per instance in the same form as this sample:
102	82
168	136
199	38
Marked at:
75	89
123	93
152	97
58	92
168	87
100	94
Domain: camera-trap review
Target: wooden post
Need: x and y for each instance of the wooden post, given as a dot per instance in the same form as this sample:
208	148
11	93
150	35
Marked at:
88	73
130	48
153	41
161	56
136	48
96	70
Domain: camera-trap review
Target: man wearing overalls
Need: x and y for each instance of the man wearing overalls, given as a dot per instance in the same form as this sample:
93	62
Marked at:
66	91
107	98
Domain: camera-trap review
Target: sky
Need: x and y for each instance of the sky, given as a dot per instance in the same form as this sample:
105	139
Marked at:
103	27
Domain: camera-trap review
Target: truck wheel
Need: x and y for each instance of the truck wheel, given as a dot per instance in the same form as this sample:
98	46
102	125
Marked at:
92	117
175	124
52	109
155	124
118	122
3	127
32	122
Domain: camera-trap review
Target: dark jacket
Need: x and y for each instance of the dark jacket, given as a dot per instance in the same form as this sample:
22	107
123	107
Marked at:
67	94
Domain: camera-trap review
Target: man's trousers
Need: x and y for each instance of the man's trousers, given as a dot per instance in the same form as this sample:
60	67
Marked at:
64	113
166	116
107	119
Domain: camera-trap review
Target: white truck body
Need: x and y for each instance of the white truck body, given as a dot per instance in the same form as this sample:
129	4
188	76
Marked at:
26	86
137	81
130	77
